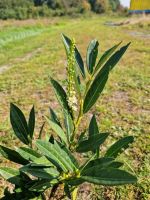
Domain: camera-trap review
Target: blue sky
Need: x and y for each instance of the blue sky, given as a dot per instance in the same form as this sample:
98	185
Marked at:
125	2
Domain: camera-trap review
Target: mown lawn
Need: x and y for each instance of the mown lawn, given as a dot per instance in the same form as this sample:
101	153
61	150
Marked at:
123	109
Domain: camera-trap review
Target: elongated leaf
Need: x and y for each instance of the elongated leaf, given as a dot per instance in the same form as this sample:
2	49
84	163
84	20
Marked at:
40	185
92	143
114	59
105	56
81	136
19	124
43	161
12	155
10	174
28	154
31	123
95	90
102	162
78	58
54	117
93	127
56	155
108	176
116	164
93	130
71	156
61	95
68	125
41	172
41	131
119	146
58	130
91	56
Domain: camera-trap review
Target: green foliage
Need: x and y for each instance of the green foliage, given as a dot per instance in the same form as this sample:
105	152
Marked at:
49	163
20	9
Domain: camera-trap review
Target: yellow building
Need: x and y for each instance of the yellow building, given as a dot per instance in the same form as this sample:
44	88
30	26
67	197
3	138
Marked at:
140	6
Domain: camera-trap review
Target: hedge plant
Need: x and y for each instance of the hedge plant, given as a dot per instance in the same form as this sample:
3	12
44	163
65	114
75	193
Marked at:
46	165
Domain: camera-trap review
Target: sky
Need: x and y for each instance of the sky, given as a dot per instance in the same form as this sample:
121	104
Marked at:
125	2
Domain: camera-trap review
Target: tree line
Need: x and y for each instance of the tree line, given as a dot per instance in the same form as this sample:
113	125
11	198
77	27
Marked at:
24	9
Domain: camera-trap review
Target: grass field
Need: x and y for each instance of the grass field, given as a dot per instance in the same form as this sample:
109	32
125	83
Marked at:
33	50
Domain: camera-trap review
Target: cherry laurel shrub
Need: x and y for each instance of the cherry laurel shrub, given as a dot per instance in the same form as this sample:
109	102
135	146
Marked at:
49	164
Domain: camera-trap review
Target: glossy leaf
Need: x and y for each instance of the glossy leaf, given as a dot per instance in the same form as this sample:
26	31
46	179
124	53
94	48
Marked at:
91	56
93	130
19	124
108	176
102	162
61	95
40	172
43	161
31	123
54	117
56	155
119	146
68	125
58	130
95	90
93	127
105	56
114	59
10	174
40	185
28	153
92	143
78	58
12	155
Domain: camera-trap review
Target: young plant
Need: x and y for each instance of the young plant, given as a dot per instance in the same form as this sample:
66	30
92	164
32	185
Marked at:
51	163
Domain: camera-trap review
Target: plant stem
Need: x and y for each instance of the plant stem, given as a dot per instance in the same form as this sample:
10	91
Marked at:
74	194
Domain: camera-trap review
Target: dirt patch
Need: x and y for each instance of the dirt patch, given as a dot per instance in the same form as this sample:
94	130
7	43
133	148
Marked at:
130	21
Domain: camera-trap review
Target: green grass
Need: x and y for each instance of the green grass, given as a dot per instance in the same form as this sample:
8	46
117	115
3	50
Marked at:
122	109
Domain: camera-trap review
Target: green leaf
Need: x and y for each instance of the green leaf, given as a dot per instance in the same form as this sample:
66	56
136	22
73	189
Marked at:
95	90
40	185
75	181
61	96
119	146
108	176
31	123
93	130
92	143
105	56
41	131
116	164
56	155
68	125
100	80
40	172
101	162
12	155
11	175
73	159
81	136
78	58
54	117
91	56
43	161
58	130
19	124
93	127
114	59
28	154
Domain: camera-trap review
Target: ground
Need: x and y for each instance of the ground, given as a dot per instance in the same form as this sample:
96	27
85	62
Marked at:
31	51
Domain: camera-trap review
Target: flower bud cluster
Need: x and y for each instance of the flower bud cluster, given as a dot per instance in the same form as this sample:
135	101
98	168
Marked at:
72	100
